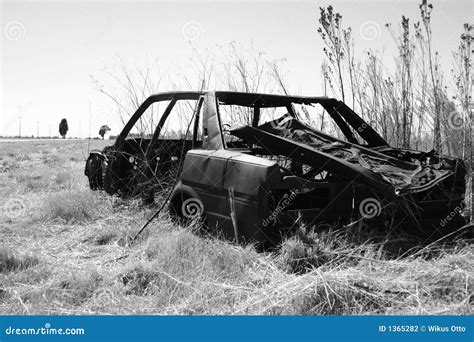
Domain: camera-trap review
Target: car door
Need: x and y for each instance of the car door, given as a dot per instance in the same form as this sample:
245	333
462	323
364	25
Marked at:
132	162
228	182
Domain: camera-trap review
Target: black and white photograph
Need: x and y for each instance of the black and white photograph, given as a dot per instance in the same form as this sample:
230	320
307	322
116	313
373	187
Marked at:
236	158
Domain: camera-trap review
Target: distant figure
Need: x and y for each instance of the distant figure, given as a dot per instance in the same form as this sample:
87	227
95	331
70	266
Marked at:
63	128
103	129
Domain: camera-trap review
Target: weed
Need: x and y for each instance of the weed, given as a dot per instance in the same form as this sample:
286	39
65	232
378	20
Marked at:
75	289
10	262
75	206
70	263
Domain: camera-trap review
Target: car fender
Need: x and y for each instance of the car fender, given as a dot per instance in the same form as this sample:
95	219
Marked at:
182	192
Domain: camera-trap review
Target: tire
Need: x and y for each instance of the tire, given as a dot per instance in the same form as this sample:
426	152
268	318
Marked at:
93	172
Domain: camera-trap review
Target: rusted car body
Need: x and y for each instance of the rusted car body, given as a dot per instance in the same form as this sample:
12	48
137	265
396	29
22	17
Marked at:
251	173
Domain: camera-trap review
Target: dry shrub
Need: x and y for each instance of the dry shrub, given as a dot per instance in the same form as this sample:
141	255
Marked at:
182	267
61	178
182	253
10	262
33	275
32	182
140	279
75	206
316	247
75	289
297	256
50	158
22	157
105	237
447	279
111	230
371	286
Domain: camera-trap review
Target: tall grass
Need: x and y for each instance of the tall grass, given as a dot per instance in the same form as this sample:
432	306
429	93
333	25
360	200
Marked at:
74	206
10	262
70	261
174	271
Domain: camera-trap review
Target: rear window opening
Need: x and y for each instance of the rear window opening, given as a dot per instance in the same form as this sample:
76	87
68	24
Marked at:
313	115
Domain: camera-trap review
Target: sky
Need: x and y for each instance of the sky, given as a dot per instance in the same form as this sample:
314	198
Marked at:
50	49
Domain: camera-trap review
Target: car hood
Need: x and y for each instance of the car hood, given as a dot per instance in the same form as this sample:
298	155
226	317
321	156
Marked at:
373	167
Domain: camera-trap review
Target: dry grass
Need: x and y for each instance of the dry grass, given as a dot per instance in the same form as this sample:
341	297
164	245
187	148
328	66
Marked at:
79	206
63	255
9	262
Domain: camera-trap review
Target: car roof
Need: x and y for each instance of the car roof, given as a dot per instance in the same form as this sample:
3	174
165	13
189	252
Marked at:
247	99
263	100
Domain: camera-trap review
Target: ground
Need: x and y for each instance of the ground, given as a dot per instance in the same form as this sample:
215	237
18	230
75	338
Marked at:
63	250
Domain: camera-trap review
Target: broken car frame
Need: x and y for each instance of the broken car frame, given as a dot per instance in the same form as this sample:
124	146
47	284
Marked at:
251	165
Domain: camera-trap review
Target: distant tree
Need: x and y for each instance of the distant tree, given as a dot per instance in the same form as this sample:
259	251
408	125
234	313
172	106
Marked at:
63	128
103	129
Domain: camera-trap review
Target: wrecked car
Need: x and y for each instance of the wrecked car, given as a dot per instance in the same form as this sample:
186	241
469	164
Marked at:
254	165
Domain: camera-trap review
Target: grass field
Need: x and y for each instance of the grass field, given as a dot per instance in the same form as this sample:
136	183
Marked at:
60	253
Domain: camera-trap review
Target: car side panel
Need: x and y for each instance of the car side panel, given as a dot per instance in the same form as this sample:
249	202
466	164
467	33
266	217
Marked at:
212	173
